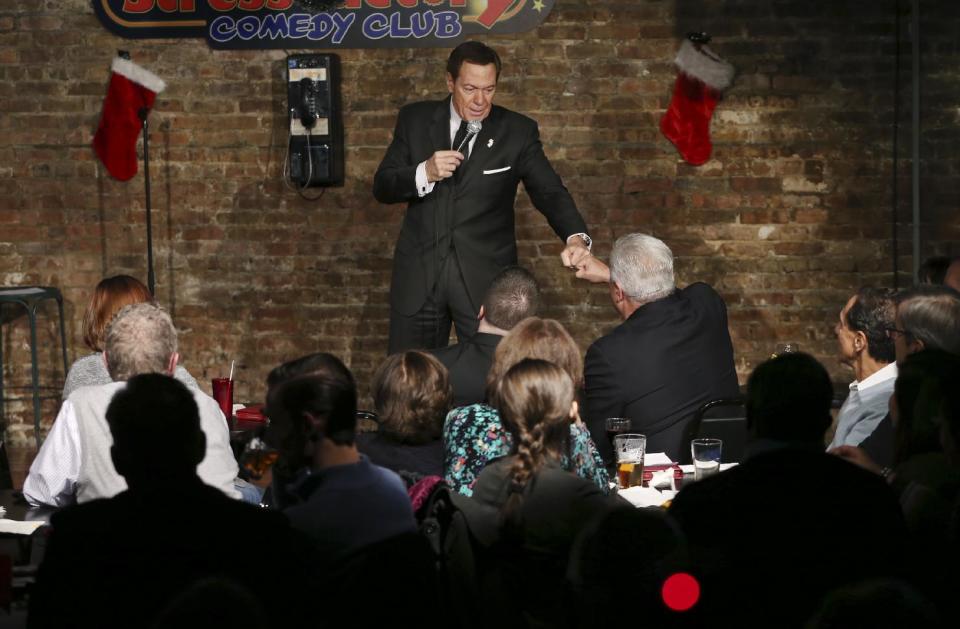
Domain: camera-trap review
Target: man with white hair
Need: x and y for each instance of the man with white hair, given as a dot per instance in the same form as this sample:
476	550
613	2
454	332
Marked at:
75	464
671	354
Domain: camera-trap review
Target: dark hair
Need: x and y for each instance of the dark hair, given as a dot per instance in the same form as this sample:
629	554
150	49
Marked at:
931	314
926	393
155	425
875	603
472	52
319	389
789	398
513	296
534	399
411	394
872	312
934	270
109	297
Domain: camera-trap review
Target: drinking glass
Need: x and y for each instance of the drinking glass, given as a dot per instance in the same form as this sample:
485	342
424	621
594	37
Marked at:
706	457
616	426
223	394
630	449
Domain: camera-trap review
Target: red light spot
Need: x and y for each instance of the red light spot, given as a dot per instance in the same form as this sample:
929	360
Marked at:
680	592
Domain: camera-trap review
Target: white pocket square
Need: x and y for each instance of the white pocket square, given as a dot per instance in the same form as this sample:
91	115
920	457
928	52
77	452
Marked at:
496	170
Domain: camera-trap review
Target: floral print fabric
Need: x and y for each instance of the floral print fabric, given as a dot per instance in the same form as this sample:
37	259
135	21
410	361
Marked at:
473	436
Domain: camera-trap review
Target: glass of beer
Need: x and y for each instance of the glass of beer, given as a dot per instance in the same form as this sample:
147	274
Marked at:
629	449
706	457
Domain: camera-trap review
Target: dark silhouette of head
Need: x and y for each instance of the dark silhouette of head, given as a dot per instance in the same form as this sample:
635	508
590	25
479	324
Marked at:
788	400
156	430
310	399
925	396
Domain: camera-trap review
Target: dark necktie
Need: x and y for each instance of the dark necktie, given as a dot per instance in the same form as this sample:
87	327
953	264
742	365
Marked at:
459	138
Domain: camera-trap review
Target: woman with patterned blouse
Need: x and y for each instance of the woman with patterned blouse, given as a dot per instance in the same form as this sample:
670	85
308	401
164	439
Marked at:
473	435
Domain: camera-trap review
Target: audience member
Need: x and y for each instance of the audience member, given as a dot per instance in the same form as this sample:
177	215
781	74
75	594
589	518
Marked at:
933	270
542	507
74	462
119	562
952	276
411	394
626	554
927	485
879	604
791	522
671	354
928	317
346	502
866	347
109	297
474	435
513	296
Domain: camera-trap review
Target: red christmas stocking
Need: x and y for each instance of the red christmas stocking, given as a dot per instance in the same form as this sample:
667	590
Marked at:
702	78
132	88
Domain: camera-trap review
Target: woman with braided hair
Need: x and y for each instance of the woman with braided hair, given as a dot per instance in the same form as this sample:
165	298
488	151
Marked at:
541	507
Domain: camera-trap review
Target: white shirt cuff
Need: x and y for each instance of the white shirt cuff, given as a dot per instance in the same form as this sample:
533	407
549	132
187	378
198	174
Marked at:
585	237
424	187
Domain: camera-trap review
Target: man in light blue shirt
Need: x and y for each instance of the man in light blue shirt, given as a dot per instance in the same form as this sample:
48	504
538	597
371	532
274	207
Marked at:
865	346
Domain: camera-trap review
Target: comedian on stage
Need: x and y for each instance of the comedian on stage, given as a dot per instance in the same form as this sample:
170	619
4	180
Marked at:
460	185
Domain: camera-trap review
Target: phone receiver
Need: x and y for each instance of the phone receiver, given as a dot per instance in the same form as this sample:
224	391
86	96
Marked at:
308	103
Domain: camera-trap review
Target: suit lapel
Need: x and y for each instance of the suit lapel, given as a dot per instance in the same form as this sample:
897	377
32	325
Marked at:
481	152
440	127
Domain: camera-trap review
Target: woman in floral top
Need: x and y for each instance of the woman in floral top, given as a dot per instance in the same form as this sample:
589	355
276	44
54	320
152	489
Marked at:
473	435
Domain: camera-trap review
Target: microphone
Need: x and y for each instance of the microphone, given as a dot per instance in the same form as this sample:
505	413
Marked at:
473	128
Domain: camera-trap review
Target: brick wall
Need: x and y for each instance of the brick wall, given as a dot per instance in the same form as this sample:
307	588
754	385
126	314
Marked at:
792	213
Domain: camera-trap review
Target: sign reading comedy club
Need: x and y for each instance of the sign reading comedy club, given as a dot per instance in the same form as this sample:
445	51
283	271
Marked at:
246	24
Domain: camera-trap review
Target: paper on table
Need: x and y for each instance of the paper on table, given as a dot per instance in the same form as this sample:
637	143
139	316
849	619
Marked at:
642	496
656	458
19	528
688	469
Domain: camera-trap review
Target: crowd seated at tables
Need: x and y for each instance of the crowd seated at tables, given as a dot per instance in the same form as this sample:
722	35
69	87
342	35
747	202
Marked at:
500	512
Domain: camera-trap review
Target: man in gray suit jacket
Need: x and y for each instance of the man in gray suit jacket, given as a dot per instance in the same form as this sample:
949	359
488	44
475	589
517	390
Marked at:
460	187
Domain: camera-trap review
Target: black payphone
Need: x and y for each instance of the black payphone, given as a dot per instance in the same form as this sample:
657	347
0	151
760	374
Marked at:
316	126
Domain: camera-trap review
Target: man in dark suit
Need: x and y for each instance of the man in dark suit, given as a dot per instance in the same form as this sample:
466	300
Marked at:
791	522
512	297
460	188
671	354
121	561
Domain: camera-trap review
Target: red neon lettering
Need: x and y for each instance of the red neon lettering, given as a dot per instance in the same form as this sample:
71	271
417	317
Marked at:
222	5
167	6
379	4
408	4
495	8
459	3
250	5
188	6
351	4
279	5
137	6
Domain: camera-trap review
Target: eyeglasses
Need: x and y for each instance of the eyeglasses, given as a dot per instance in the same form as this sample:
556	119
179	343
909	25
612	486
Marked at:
893	333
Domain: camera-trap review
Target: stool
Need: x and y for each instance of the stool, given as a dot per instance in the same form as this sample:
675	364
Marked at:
29	297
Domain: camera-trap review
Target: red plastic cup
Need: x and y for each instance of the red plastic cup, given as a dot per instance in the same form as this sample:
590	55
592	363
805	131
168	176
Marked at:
223	394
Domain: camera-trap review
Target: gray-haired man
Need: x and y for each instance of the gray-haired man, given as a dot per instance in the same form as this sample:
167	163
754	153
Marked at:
671	354
74	463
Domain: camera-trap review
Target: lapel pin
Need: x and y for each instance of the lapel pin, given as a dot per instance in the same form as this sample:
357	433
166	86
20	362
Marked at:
489	142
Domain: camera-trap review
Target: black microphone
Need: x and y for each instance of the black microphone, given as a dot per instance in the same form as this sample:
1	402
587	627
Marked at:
473	128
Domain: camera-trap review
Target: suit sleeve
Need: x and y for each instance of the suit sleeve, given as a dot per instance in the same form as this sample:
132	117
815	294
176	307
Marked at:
546	189
602	399
395	180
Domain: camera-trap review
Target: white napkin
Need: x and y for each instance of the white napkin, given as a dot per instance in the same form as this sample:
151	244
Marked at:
19	528
663	480
644	496
688	469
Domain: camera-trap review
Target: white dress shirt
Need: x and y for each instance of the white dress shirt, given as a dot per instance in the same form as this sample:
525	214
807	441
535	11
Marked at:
74	462
865	407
